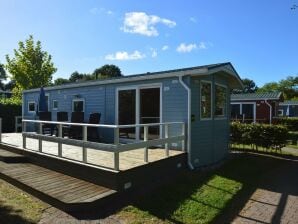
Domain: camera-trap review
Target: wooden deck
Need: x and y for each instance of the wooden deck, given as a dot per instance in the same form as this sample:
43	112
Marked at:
128	160
63	191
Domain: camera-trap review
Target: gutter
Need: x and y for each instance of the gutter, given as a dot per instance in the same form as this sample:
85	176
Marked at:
270	107
188	121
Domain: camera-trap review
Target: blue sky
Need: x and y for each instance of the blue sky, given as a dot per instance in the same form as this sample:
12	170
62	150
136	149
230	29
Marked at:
260	38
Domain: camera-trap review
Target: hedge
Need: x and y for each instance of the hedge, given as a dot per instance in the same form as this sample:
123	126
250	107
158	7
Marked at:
264	135
290	122
8	110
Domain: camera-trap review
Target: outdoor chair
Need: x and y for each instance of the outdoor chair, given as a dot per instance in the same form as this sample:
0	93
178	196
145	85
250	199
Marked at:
62	116
93	134
74	130
47	129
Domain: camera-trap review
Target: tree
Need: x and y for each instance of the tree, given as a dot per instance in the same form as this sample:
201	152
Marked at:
249	87
31	67
75	77
107	71
288	86
61	81
10	85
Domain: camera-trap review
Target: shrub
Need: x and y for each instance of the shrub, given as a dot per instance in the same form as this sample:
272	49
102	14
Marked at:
264	135
9	108
290	122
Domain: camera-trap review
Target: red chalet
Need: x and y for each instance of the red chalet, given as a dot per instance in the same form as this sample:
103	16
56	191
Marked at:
255	107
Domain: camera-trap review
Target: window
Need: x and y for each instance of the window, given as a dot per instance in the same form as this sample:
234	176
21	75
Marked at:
78	105
280	112
55	104
31	106
205	100
220	101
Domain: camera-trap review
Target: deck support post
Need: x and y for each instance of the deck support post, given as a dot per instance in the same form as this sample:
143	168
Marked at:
84	147
24	130
183	133
0	129
39	140
116	153
167	136
145	140
60	136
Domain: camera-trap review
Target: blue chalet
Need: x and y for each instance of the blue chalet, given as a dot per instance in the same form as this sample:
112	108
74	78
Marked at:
288	108
198	96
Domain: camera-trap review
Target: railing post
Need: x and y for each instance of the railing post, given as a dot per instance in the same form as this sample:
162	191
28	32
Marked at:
84	147
166	136
183	133
145	140
116	153
0	129
16	124
39	140
24	130
60	136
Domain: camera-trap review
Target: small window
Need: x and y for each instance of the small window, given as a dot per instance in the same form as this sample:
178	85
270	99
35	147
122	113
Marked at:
31	106
205	100
280	112
78	105
55	104
220	101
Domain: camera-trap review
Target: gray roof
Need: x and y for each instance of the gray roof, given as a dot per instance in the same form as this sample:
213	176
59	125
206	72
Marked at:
289	102
198	70
256	96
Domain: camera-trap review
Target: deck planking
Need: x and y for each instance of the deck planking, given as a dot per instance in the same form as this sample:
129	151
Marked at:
128	159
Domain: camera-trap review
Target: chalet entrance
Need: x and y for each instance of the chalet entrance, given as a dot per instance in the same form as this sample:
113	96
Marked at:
138	105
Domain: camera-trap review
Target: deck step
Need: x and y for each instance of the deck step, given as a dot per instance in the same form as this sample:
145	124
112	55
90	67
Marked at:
11	157
62	191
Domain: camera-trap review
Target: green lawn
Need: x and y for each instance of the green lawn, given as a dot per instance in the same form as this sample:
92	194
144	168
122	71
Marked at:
200	197
17	207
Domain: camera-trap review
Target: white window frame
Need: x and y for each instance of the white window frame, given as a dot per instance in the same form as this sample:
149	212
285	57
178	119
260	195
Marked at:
55	108
282	112
28	108
75	100
254	108
225	116
138	88
211	103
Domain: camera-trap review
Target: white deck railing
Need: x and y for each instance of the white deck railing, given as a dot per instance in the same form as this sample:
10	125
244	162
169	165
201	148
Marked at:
116	147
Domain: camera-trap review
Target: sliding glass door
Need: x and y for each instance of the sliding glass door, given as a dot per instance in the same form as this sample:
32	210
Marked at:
139	105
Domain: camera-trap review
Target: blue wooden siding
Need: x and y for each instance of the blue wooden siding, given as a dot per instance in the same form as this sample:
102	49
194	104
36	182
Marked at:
209	137
293	110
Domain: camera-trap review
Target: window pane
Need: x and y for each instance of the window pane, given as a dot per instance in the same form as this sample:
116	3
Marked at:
235	111
78	106
205	100
55	104
220	100
31	106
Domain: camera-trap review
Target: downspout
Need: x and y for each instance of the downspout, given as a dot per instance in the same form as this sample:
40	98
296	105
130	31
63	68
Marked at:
188	121
270	107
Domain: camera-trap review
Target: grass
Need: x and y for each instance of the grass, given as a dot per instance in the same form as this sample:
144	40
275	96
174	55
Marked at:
293	146
200	197
17	207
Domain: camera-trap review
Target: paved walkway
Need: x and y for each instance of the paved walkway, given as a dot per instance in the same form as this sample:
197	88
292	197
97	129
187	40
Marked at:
276	198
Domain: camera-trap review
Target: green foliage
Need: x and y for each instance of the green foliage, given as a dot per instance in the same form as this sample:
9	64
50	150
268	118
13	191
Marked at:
267	136
9	108
61	81
288	86
107	71
249	87
290	122
31	67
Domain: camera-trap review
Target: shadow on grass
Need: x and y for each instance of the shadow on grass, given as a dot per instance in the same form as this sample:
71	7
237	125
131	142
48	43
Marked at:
9	215
253	171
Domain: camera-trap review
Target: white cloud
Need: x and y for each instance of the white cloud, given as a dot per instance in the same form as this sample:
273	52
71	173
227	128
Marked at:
202	45
193	19
141	23
153	53
165	47
186	48
96	11
125	56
